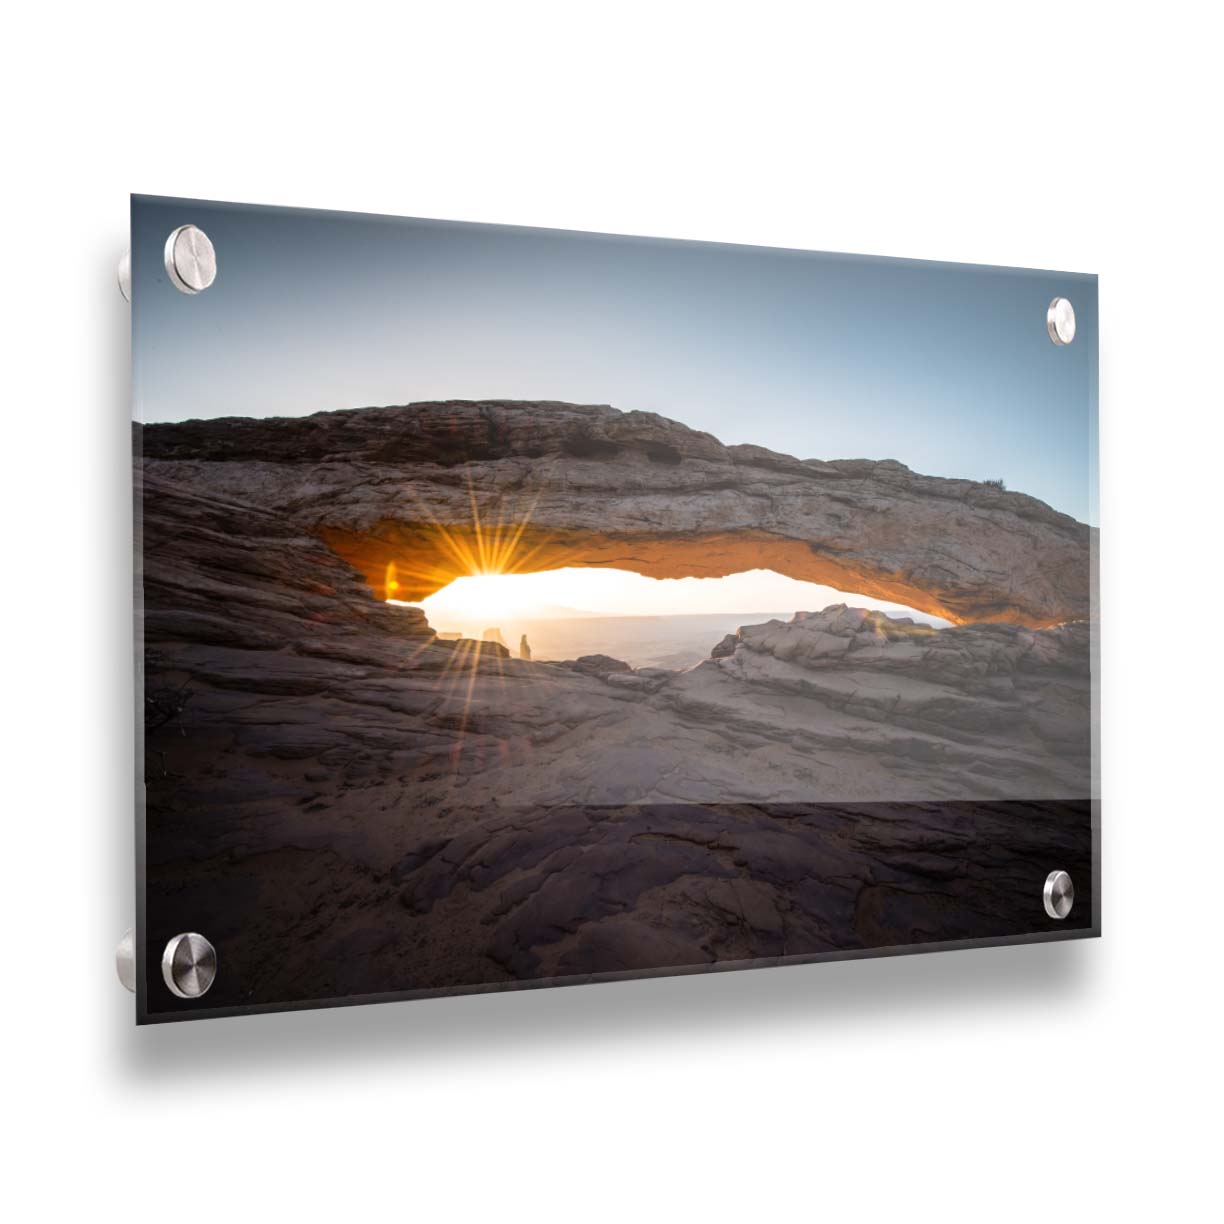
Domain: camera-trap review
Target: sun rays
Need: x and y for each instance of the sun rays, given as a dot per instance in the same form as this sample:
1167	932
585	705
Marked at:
476	548
474	675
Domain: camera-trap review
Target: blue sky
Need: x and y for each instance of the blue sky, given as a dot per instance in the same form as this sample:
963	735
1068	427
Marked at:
946	367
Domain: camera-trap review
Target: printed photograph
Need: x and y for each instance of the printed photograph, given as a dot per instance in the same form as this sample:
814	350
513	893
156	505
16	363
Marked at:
522	607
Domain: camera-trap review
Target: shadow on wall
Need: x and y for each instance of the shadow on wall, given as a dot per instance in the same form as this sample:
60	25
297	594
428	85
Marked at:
822	999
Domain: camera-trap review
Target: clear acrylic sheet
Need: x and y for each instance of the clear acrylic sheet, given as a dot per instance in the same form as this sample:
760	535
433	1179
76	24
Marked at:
519	607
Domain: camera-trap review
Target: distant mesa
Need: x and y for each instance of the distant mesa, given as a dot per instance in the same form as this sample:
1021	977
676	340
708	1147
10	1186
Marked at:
596	665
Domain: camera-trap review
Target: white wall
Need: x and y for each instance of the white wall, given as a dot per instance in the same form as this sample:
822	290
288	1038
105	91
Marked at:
1078	1079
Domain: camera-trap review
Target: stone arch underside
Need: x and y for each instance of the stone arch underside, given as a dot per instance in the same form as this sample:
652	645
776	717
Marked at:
442	490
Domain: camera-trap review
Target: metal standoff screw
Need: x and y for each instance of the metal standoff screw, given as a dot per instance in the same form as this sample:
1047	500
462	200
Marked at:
1059	894
191	262
125	960
1060	321
125	275
189	965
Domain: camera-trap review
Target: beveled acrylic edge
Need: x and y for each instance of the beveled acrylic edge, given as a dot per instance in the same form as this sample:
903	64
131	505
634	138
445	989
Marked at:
609	235
593	979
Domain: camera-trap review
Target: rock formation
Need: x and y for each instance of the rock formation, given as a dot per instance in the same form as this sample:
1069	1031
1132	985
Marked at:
348	803
596	665
440	490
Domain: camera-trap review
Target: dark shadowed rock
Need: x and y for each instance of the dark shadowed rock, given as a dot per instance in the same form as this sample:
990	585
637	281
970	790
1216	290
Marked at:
595	665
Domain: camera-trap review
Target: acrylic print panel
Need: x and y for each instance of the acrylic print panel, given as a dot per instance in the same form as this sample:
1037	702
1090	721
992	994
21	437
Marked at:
520	607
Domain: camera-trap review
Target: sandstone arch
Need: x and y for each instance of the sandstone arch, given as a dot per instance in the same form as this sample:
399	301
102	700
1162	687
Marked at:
439	490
